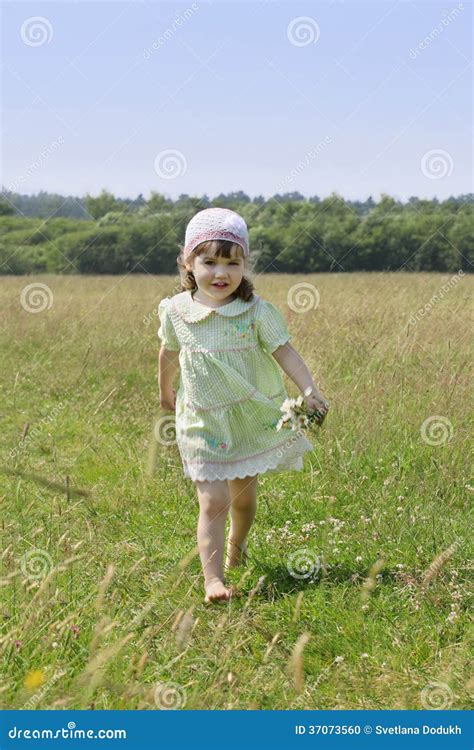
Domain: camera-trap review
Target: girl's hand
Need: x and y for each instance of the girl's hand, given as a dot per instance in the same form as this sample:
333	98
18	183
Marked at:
168	400
317	403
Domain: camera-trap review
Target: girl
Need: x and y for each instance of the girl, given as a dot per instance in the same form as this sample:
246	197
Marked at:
227	341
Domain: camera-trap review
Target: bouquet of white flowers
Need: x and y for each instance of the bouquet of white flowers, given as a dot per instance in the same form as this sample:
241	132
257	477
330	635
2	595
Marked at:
295	416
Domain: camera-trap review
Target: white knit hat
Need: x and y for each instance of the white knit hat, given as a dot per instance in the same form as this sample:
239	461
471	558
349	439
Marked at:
216	224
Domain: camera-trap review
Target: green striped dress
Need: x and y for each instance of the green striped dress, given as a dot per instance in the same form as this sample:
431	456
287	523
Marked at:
230	389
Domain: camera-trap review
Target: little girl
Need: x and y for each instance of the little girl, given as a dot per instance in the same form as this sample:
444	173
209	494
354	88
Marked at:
227	341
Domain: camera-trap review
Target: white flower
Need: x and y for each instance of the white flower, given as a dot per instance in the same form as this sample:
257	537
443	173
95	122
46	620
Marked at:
339	659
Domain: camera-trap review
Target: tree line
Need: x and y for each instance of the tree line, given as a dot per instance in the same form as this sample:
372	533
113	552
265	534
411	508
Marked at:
48	233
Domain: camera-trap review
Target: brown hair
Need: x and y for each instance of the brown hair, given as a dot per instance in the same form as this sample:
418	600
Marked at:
219	249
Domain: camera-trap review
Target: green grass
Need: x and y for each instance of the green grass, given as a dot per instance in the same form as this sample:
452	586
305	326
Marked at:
89	486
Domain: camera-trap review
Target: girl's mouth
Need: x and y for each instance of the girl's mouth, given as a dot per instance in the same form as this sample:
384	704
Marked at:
220	285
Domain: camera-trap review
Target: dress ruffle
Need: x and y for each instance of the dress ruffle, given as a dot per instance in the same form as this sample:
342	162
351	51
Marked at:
288	457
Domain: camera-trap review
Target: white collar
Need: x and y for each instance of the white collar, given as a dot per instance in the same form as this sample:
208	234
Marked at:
192	311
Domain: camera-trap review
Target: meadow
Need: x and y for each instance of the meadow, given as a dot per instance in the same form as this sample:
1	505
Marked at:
101	595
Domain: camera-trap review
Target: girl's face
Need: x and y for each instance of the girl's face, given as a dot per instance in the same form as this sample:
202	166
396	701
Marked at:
218	278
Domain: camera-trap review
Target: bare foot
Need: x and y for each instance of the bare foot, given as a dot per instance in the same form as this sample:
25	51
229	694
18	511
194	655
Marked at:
217	591
236	555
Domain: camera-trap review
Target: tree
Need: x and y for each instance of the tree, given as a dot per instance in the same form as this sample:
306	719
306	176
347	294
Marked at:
6	209
103	204
157	202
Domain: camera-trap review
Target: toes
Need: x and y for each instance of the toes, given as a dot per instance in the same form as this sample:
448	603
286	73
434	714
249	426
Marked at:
223	596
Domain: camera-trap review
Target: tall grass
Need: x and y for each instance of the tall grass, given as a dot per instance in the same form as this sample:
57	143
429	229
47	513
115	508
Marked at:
101	598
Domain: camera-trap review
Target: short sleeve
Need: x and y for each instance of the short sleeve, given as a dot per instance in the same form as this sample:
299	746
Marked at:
166	331
272	330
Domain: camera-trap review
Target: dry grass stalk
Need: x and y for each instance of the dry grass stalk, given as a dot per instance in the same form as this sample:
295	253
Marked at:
152	456
256	589
298	603
105	583
136	564
435	567
371	580
177	620
43	482
141	663
94	671
270	647
296	661
188	558
104	401
184	630
103	627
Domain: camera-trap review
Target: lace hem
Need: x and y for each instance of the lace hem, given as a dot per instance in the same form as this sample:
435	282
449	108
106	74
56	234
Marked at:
281	459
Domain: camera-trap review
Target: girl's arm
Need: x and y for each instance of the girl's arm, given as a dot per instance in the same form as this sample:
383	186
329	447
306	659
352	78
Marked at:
295	367
168	365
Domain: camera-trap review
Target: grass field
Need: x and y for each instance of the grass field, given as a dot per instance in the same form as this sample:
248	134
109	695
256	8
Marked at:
101	596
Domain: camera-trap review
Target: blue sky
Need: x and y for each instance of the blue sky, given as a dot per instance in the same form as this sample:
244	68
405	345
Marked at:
263	97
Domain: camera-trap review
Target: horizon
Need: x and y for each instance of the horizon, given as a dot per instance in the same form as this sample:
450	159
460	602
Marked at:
251	197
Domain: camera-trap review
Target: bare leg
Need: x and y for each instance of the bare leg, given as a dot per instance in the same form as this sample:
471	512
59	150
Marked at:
243	496
214	504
